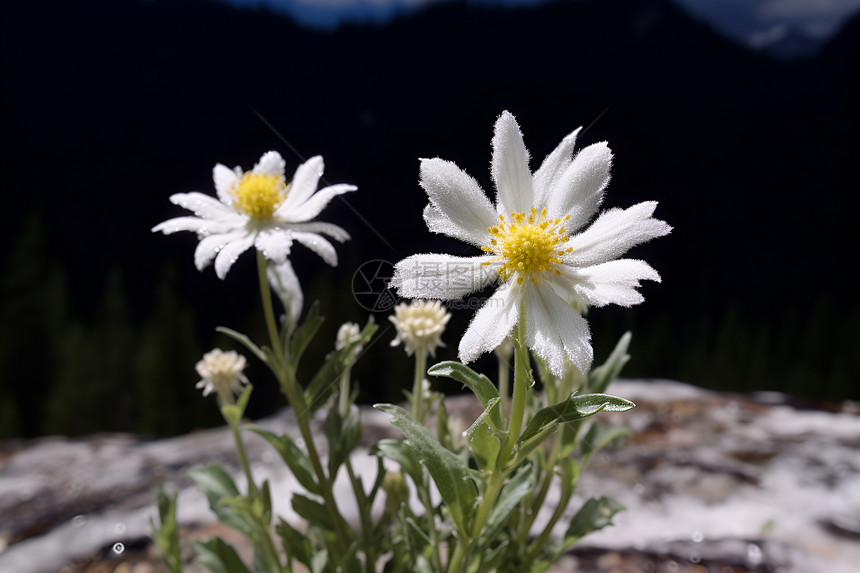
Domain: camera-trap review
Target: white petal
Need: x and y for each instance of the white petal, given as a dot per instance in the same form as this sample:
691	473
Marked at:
271	163
614	282
209	246
510	167
492	323
224	178
329	229
231	251
304	182
202	227
437	222
614	233
442	276
319	245
312	207
460	199
284	281
274	243
204	205
552	168
579	191
555	331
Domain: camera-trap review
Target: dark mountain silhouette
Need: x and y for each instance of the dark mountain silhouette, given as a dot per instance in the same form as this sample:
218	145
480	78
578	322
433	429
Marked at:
109	107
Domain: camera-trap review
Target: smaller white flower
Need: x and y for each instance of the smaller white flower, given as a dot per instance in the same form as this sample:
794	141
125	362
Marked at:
222	372
347	333
259	209
419	325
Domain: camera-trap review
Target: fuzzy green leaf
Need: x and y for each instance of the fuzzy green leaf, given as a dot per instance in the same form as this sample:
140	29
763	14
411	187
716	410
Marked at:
485	437
312	511
305	333
295	458
452	476
343	435
599	436
575	408
479	384
244	341
399	452
596	513
219	557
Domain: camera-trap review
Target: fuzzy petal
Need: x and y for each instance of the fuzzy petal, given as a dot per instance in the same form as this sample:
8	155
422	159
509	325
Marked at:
271	163
459	199
209	246
231	251
304	182
204	206
614	233
284	281
437	222
579	190
319	245
312	207
510	167
442	276
492	323
614	282
555	331
225	178
322	227
202	227
552	168
274	243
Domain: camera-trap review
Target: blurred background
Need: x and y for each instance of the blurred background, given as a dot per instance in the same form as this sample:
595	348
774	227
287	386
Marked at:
739	116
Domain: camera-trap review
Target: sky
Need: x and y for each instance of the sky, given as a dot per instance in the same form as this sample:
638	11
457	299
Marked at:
754	23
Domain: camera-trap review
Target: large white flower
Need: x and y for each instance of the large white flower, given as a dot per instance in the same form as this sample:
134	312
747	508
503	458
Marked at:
259	209
534	243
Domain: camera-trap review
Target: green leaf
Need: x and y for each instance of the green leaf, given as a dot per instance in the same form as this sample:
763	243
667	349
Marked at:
244	341
599	378
319	562
599	436
546	420
327	379
219	488
219	557
295	458
296	544
479	384
166	536
399	452
452	476
509	498
486	438
233	412
305	333
343	435
312	511
596	513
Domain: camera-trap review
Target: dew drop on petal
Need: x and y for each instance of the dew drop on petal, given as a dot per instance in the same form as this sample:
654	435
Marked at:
118	548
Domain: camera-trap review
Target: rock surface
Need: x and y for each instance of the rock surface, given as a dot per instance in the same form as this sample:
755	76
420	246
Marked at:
712	482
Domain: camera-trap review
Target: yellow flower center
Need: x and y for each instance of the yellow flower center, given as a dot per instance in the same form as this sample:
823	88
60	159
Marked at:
528	246
258	195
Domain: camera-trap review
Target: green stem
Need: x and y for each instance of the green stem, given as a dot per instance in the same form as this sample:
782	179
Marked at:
418	385
343	395
504	381
297	401
268	309
541	540
541	496
286	377
518	405
424	494
364	515
253	493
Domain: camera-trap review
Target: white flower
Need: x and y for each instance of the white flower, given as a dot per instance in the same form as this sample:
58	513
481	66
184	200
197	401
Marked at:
259	209
419	325
533	241
221	372
348	333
